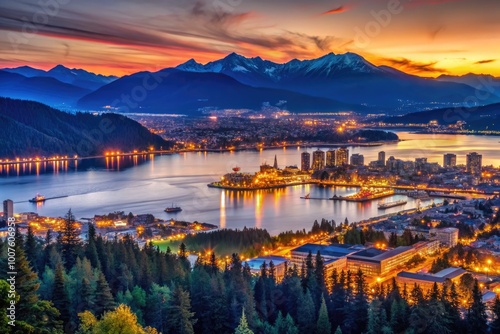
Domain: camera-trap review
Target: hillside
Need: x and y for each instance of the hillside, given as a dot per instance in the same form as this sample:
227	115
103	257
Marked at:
189	92
480	118
34	129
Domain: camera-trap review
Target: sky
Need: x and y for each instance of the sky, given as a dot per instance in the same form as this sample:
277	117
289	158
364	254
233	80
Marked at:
422	37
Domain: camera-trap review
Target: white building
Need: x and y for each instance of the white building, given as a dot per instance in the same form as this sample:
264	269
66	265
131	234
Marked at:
447	236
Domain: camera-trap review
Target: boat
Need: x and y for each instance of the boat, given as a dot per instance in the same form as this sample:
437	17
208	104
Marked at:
37	199
308	196
172	209
388	205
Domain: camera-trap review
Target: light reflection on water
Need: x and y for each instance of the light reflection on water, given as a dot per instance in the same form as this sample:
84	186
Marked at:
146	184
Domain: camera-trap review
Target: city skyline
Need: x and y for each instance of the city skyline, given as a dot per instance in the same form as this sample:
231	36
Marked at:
447	37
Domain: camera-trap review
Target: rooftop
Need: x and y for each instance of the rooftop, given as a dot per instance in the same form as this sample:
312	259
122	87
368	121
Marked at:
379	254
440	277
333	250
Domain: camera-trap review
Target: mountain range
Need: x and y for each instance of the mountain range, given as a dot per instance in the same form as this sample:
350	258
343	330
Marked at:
73	76
329	83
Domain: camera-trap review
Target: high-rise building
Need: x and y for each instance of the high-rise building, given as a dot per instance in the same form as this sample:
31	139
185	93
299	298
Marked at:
305	161
318	162
381	157
420	163
330	158
341	157
474	163
8	209
449	160
357	160
275	165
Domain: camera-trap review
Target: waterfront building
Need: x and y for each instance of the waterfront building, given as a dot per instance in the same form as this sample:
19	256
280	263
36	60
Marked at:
449	160
305	161
426	281
8	209
318	162
341	157
378	262
446	236
275	165
330	158
357	160
474	163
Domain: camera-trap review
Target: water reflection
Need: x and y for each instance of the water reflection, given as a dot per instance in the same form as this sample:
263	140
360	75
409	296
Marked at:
147	184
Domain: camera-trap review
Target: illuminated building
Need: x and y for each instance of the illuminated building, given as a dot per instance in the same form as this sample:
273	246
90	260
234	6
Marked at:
426	281
305	161
447	236
378	262
357	160
330	158
420	163
334	256
341	157
381	158
8	209
318	162
449	160
474	163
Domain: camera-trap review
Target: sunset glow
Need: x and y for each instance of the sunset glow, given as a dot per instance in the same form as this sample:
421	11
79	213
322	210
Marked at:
424	37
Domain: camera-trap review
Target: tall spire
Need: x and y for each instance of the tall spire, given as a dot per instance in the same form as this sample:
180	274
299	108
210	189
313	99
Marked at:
275	162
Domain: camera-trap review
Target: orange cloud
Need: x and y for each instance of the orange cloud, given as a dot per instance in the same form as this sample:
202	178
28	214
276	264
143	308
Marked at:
337	10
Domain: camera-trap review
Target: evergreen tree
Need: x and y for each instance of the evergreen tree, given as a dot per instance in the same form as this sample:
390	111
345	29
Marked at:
4	303
306	313
69	241
338	330
476	316
495	324
323	325
179	316
104	300
285	325
32	248
87	296
243	326
60	296
319	273
357	309
32	315
156	307
91	249
399	317
377	319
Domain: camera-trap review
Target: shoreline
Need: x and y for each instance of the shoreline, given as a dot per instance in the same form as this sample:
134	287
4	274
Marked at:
209	150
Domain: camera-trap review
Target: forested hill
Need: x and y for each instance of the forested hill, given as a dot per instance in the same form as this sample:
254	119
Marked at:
34	129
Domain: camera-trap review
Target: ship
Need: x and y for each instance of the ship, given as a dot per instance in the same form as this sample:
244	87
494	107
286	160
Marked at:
37	199
172	209
388	205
